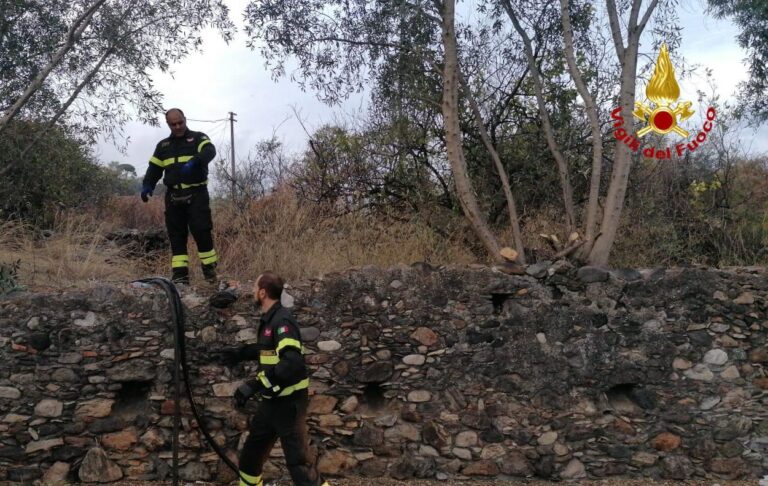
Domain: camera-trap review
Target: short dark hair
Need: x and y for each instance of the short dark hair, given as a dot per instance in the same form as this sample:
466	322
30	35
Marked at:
272	283
174	109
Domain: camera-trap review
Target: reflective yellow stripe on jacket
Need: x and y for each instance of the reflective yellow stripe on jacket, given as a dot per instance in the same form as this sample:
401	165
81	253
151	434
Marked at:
289	342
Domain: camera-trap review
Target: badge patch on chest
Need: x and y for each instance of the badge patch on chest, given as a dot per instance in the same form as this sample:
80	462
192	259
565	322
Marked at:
282	330
268	332
190	139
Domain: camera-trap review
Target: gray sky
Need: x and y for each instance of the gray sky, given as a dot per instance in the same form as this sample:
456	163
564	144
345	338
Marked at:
231	77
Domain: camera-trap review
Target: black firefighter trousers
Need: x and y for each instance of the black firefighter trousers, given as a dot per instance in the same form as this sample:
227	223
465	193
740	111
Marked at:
187	212
284	418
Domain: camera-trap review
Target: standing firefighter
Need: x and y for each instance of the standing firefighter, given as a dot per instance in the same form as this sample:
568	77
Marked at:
184	158
281	385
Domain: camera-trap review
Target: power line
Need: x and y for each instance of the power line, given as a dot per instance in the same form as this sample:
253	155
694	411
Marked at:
208	121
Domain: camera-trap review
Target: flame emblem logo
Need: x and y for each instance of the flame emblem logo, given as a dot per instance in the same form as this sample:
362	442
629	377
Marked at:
663	91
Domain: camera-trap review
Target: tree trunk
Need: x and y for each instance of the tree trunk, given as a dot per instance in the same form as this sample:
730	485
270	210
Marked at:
73	36
614	201
453	142
594	125
514	220
562	166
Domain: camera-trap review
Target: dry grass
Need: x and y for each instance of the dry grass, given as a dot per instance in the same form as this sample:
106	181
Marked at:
273	233
297	241
73	254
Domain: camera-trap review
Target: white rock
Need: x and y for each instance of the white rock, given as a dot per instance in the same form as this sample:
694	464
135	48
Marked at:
467	438
350	404
10	392
88	321
33	323
716	357
428	451
48	407
681	364
14	418
225	389
208	334
745	298
287	300
719	295
709	403
414	359
547	438
249	334
465	454
730	373
43	445
493	451
57	473
328	346
418	396
700	372
574	470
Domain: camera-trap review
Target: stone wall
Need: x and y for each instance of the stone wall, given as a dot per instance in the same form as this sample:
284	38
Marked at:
417	372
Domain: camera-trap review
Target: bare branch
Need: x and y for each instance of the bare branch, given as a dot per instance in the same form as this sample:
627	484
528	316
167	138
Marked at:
73	35
613	17
562	166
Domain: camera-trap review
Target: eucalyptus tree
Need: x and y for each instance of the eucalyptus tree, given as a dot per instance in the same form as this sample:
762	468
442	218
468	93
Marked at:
626	22
752	17
340	46
89	62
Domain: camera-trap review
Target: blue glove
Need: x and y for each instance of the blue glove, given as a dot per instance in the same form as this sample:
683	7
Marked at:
187	168
146	193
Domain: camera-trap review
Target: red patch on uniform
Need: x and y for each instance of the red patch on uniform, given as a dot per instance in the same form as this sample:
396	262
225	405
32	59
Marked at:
268	332
282	330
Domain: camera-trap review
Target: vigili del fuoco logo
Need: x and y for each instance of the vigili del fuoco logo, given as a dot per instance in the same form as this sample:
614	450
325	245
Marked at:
664	115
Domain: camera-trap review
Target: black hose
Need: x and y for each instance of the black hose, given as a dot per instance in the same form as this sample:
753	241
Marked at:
180	356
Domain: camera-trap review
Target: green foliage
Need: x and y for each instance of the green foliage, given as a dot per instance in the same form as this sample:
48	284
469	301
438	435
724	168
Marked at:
131	37
379	169
752	17
59	172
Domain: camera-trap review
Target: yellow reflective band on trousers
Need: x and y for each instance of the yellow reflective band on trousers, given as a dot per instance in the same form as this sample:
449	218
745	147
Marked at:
208	257
178	261
252	480
286	342
202	144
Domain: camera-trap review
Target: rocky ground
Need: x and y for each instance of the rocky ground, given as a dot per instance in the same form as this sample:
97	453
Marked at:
525	482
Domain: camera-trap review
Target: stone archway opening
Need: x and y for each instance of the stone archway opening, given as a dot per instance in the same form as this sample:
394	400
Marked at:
373	397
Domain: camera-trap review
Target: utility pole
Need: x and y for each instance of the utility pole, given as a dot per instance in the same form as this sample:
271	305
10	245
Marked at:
232	145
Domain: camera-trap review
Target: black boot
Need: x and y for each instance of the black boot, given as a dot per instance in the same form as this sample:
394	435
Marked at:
209	273
180	275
